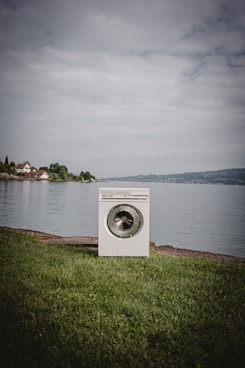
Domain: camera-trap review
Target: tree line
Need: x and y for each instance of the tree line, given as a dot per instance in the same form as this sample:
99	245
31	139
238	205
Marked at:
6	167
55	171
60	172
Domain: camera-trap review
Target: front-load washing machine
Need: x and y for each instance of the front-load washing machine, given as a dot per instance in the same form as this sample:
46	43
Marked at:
124	222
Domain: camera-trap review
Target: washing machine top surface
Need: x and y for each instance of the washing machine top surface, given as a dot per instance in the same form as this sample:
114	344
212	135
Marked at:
124	194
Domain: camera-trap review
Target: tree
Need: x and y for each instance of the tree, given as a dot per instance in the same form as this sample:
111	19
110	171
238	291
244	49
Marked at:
63	172
60	170
87	176
5	167
54	177
54	168
2	167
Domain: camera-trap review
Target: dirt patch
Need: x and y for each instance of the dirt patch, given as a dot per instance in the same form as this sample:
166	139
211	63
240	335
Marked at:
92	243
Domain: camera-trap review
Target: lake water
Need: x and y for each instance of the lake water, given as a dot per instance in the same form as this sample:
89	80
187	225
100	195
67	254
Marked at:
193	216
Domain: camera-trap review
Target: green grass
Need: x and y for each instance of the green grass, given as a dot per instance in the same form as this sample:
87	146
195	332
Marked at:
65	307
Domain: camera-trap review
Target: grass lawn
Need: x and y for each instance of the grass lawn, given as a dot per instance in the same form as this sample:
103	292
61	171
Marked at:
65	307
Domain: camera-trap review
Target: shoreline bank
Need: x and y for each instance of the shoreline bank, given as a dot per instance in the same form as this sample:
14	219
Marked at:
92	242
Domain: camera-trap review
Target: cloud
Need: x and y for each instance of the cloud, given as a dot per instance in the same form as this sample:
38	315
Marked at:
123	87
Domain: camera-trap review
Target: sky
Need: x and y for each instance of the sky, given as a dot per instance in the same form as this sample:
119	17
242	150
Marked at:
123	88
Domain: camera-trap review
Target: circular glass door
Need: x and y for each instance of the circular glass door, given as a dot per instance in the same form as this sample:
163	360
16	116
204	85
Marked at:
124	220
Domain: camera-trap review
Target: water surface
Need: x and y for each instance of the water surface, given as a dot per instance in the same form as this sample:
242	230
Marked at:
193	216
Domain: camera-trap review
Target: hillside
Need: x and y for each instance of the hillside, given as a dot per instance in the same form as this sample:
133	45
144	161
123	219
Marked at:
226	176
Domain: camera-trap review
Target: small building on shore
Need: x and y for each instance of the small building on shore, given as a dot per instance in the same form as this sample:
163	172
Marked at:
40	174
23	169
27	171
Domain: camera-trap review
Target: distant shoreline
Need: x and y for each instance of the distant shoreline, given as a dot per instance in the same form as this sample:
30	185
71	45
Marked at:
22	179
235	176
92	243
19	178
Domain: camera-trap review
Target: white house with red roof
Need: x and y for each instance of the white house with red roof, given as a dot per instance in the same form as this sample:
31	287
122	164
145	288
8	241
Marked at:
40	174
24	168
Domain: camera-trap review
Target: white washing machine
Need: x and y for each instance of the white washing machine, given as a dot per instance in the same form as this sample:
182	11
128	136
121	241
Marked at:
124	222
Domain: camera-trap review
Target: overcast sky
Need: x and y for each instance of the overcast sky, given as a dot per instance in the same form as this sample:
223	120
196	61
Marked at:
123	87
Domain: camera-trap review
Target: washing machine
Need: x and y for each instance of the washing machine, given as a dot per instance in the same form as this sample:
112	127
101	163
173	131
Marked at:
124	222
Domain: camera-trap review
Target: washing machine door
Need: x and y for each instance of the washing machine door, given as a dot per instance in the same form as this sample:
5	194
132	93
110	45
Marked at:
124	221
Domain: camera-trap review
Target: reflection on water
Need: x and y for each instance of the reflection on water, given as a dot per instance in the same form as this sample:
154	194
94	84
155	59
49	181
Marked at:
202	217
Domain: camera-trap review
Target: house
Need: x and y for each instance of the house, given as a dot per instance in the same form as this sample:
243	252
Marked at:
43	174
27	171
23	169
40	174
